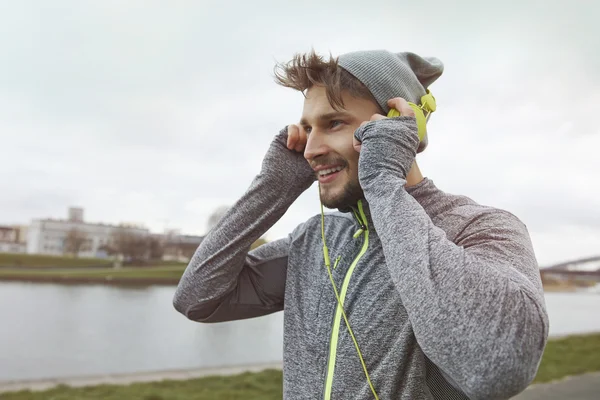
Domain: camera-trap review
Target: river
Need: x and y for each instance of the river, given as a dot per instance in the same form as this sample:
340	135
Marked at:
51	331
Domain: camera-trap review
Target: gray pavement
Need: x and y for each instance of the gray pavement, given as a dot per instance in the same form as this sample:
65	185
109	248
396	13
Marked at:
583	387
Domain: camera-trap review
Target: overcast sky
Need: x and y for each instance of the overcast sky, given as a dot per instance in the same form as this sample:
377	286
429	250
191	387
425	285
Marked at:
158	112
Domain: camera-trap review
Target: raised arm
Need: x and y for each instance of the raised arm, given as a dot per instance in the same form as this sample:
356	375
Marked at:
476	306
224	281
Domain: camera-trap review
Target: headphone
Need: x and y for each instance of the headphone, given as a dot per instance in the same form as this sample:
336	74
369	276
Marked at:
428	105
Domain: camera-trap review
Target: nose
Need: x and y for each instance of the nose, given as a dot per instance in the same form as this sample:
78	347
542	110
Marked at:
315	146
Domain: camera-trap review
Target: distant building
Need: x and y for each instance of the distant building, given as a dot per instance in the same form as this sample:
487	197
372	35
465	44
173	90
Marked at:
13	239
51	236
76	214
9	234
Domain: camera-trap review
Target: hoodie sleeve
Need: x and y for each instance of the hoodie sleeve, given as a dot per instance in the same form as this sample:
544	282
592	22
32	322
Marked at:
224	281
476	306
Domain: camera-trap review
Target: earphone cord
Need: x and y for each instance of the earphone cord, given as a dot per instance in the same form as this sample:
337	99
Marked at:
339	301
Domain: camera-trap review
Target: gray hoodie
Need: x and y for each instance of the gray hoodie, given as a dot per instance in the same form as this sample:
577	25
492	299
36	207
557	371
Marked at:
443	294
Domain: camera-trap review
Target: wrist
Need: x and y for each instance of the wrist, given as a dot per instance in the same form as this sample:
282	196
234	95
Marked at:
285	168
369	182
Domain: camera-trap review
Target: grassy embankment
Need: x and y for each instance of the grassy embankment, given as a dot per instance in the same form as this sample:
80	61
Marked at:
38	268
41	268
566	285
38	260
563	357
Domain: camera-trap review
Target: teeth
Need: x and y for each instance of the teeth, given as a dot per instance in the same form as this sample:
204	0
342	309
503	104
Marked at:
328	171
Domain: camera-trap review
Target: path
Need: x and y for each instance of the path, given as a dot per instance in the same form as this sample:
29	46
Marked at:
584	387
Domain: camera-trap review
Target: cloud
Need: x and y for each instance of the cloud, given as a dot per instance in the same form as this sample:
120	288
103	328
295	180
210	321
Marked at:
157	114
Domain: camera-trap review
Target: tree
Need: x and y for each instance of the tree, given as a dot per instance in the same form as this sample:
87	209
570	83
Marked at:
157	248
74	241
133	246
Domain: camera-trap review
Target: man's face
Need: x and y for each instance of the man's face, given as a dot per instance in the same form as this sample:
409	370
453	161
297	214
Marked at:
329	147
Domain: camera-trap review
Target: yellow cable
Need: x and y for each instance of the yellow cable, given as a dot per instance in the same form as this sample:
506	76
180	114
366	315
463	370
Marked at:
337	296
362	361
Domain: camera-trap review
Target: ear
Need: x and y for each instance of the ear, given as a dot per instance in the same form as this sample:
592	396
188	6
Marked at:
356	144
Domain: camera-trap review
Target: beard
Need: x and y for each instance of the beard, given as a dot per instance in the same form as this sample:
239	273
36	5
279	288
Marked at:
351	193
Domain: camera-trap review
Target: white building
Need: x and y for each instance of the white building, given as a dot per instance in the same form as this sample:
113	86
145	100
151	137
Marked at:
49	236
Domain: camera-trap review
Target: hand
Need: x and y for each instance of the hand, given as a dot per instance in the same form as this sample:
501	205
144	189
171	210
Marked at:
399	104
284	162
387	146
296	140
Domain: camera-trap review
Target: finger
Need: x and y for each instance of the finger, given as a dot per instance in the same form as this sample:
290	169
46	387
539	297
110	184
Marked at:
301	143
401	105
292	136
377	117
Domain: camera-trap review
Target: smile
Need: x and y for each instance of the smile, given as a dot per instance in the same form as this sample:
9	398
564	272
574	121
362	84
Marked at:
329	171
329	174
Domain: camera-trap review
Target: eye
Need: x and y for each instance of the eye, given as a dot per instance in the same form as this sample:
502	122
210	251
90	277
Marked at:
334	123
307	129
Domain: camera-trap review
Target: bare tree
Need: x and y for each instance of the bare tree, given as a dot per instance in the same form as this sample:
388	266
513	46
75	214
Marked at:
156	248
74	241
187	250
134	247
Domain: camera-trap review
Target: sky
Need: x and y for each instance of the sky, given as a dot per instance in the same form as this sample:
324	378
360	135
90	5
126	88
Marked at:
158	113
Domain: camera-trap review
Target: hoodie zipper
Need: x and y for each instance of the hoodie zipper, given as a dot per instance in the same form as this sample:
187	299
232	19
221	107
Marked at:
335	330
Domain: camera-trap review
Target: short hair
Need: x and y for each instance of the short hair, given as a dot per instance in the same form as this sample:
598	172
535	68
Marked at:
306	70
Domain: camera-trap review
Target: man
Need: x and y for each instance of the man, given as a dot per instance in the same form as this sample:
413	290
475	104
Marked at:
428	295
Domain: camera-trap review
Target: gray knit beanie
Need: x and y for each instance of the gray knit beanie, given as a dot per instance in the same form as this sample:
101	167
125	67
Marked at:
388	75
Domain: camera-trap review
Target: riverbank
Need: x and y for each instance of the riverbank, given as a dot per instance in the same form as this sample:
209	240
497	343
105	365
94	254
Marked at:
131	378
72	270
18	260
154	275
569	356
567	284
108	279
165	275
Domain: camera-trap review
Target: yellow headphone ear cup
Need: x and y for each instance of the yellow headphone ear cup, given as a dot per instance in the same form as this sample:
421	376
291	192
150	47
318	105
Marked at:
428	102
393	113
421	120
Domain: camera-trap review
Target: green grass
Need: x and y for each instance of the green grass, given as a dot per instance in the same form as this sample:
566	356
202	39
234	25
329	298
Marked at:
171	273
37	260
573	355
248	386
70	269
